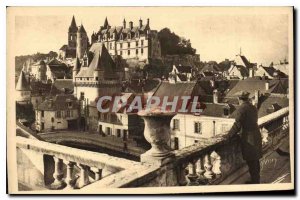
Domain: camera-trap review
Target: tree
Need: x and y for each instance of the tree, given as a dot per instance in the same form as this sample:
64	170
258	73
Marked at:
173	44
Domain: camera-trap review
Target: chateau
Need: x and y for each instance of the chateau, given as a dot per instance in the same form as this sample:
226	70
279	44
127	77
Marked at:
138	43
78	42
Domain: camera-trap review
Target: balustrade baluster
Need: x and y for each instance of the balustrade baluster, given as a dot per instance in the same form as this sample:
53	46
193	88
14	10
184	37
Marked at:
201	170
98	173
208	167
58	174
181	175
84	176
69	180
192	176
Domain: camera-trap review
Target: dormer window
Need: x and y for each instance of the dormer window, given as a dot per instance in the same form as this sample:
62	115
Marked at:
226	111
129	36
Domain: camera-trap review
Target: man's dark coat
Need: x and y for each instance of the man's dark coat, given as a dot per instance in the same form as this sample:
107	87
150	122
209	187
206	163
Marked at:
246	123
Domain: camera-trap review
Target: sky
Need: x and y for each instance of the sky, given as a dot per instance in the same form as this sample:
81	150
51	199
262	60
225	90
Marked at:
216	33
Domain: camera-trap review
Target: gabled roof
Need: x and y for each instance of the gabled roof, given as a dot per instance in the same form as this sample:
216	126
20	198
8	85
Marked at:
22	84
55	62
271	72
241	60
59	102
101	61
184	69
64	47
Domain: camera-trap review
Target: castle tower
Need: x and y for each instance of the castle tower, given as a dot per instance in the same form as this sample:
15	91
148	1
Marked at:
23	90
82	42
76	68
72	34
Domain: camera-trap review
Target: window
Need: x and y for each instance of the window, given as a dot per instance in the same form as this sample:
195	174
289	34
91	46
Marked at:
175	124
42	113
142	50
226	111
128	52
108	131
128	44
96	78
142	42
58	114
121	45
137	43
87	79
136	51
110	45
197	127
68	113
81	95
118	133
121	52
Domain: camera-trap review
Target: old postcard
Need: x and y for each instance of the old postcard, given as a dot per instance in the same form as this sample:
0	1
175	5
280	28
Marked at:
149	100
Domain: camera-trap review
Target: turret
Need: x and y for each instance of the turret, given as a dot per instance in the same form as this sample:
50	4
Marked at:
72	33
105	26
42	71
23	90
140	23
82	42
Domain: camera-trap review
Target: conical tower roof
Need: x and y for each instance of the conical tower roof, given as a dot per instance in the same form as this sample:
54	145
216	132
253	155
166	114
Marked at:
73	26
22	84
81	29
105	23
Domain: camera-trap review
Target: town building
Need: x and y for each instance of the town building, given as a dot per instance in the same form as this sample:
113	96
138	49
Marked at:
58	112
136	43
97	75
269	72
241	68
180	73
78	42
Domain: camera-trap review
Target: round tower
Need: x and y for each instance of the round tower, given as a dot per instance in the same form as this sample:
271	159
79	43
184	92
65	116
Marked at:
23	90
82	42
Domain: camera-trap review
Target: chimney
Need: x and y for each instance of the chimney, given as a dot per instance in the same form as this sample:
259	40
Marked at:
141	23
148	22
215	96
130	24
267	85
256	98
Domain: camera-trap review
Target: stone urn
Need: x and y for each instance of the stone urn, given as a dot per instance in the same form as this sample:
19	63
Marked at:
157	133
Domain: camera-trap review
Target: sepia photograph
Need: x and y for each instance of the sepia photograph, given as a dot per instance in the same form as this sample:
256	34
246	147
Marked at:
149	100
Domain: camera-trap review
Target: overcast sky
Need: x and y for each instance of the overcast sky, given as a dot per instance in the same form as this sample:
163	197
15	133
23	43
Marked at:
216	33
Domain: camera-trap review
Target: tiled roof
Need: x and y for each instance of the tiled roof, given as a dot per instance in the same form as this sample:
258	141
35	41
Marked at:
22	84
184	69
43	89
101	61
59	102
64	47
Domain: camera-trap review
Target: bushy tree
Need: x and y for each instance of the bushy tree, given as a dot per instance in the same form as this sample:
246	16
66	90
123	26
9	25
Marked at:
173	44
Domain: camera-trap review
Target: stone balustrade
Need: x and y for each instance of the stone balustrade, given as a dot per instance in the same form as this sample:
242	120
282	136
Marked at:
210	161
71	168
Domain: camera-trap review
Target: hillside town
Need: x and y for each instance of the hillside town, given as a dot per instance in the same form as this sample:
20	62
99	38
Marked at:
56	96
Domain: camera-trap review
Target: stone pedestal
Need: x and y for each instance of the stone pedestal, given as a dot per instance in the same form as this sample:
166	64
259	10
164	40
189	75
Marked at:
157	133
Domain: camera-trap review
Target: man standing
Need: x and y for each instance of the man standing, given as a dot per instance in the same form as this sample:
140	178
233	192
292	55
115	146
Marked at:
251	141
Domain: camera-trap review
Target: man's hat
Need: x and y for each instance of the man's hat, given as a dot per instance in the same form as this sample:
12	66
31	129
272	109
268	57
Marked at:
244	95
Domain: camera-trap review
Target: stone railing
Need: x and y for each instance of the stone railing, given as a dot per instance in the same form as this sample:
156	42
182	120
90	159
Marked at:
208	162
212	160
60	167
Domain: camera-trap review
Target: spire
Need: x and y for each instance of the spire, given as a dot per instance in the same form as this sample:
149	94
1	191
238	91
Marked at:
105	23
22	84
73	23
73	26
124	23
